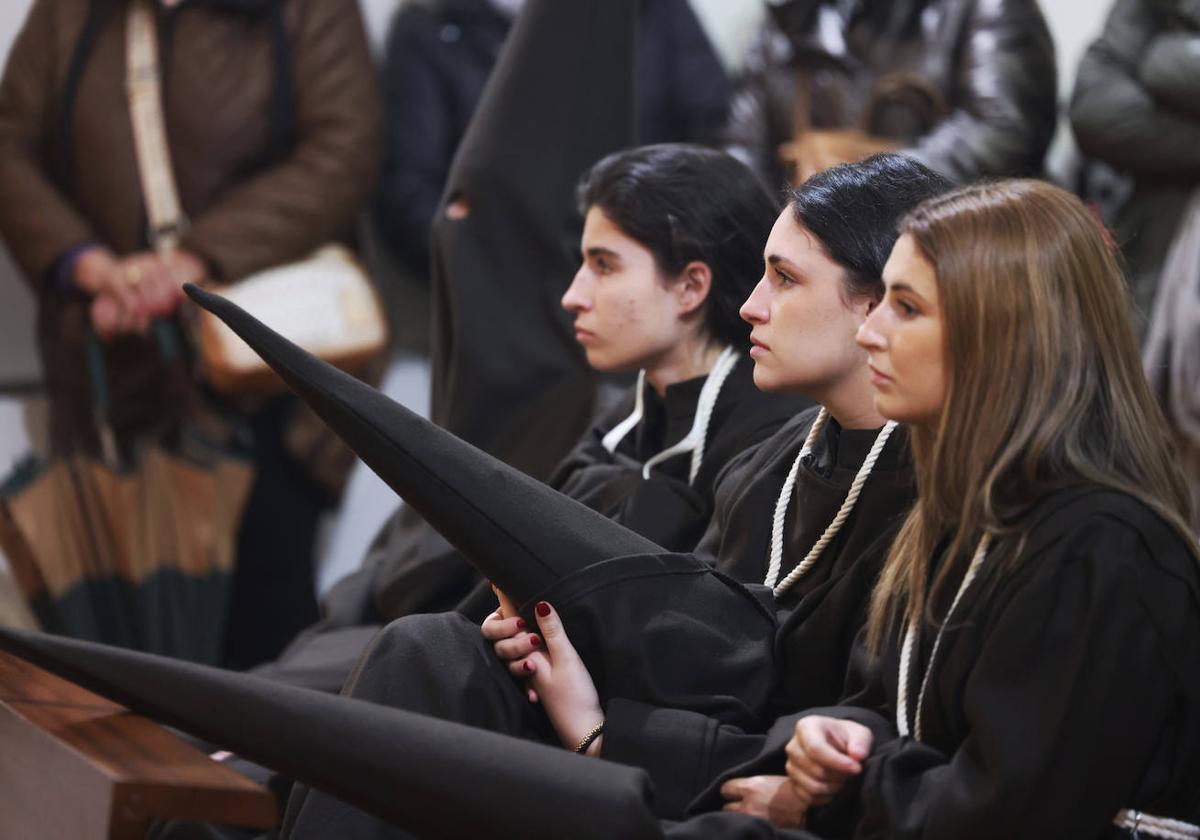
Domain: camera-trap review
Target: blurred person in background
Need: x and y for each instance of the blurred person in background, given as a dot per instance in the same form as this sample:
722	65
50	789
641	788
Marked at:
271	116
1136	108
967	87
440	54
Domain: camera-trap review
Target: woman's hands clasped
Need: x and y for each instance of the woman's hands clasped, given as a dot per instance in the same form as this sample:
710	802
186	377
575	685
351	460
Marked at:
822	755
554	673
128	292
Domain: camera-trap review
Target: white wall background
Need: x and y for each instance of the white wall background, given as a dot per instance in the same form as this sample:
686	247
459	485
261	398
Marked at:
731	24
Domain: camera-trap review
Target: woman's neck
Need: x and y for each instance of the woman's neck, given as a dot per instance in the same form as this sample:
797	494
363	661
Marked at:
685	361
851	402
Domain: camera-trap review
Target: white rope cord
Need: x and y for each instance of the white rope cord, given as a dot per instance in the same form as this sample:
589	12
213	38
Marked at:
618	432
910	639
785	498
1139	823
694	441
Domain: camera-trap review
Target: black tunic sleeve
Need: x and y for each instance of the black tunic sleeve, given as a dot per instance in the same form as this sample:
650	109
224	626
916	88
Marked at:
1063	693
682	750
663	507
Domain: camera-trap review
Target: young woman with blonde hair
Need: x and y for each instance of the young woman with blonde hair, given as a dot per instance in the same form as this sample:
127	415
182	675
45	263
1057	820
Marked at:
1037	621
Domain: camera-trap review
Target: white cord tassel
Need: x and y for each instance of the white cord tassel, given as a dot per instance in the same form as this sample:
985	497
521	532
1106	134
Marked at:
910	640
694	441
618	432
785	498
775	563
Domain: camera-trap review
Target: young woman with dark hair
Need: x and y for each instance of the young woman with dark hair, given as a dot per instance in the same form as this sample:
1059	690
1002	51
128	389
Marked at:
671	244
1035	626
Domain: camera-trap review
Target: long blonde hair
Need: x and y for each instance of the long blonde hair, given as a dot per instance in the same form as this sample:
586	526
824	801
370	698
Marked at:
1044	385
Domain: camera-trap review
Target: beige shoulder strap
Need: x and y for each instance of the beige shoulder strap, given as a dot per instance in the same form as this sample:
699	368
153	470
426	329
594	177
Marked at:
144	90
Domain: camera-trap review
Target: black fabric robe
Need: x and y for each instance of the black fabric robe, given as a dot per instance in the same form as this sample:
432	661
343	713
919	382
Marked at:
818	617
1065	690
664	508
439	665
508	375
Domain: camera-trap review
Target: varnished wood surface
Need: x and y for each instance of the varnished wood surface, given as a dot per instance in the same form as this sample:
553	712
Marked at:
76	766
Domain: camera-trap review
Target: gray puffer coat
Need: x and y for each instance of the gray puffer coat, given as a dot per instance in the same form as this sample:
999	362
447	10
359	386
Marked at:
1136	107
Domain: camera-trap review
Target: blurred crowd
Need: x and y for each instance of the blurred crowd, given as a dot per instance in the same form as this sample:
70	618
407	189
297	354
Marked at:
283	131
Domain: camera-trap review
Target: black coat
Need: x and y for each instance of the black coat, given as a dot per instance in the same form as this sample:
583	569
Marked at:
818	617
1064	690
439	56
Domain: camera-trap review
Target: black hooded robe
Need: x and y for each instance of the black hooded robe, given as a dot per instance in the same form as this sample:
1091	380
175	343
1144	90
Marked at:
439	665
508	375
1065	690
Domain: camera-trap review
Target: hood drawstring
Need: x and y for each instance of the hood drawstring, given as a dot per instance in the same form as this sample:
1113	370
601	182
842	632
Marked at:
694	441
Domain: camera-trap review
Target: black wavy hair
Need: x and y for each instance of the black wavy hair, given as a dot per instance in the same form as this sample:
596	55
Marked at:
855	210
683	203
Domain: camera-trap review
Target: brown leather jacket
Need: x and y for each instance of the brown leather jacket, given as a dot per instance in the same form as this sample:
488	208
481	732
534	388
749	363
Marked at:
967	85
68	175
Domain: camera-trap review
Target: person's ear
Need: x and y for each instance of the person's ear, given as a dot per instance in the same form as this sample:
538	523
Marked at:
692	287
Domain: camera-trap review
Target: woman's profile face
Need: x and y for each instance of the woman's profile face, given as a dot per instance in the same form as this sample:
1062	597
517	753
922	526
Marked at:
627	316
904	340
803	328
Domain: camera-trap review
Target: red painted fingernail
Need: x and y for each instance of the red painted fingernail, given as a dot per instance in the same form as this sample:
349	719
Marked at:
527	667
534	639
543	609
520	624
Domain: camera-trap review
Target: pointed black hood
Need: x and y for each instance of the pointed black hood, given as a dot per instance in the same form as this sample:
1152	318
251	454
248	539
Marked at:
515	529
390	763
508	375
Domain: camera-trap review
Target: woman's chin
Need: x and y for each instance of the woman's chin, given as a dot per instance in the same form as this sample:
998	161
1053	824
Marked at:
890	407
764	379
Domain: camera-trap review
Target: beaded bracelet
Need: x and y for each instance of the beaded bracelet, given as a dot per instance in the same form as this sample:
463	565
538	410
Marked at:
586	740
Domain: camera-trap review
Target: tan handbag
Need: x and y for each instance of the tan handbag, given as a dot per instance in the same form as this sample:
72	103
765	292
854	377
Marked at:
325	303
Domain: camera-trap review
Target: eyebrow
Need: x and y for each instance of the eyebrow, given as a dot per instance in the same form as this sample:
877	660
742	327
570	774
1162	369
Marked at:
597	251
901	286
776	261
